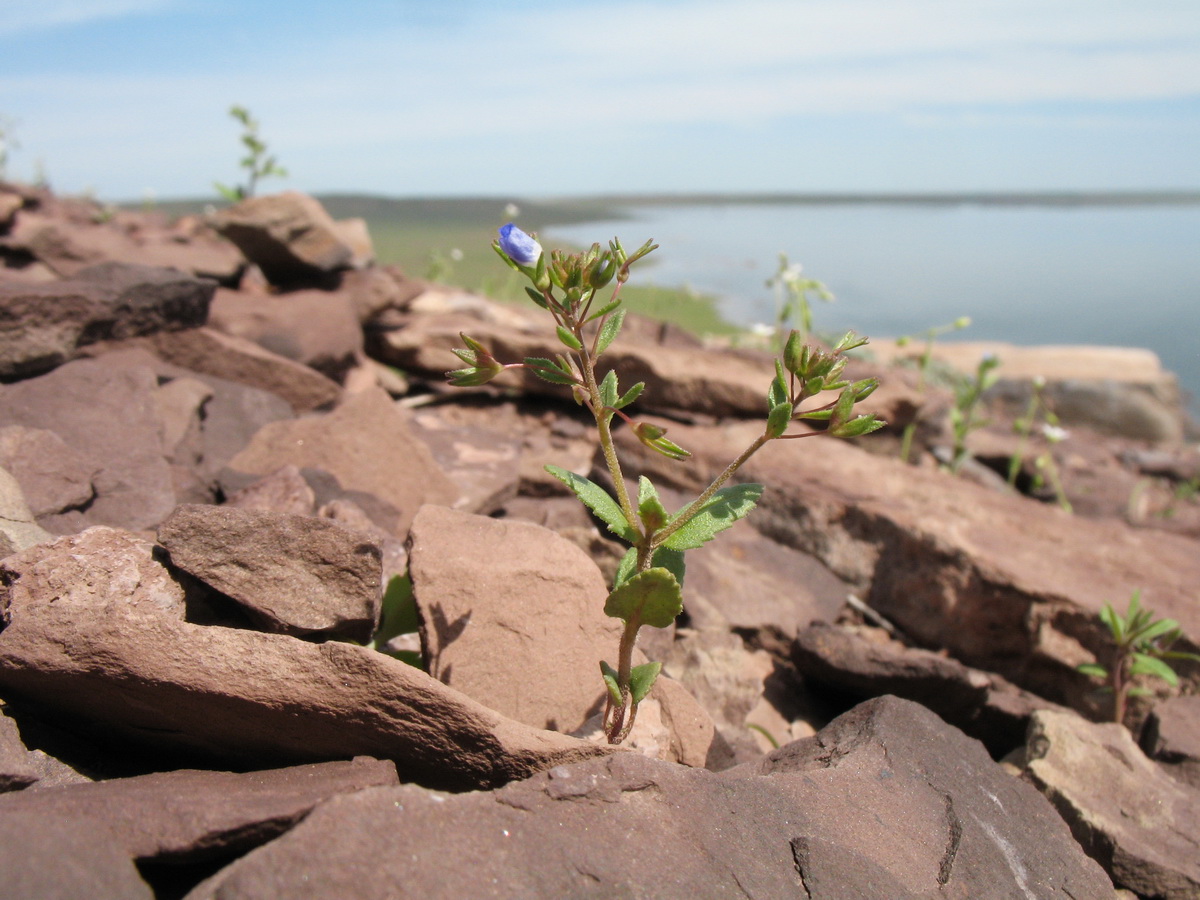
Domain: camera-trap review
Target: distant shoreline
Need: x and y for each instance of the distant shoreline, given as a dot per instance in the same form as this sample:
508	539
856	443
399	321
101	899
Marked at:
973	198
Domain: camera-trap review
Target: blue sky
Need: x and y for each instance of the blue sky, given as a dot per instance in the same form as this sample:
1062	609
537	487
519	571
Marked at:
539	98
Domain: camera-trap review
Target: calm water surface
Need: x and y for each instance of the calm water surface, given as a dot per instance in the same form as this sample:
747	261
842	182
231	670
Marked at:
1120	275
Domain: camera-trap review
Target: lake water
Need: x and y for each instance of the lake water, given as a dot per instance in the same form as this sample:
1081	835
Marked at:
1121	275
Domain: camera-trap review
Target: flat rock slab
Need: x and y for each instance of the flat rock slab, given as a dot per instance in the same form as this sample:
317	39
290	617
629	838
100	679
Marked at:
45	857
190	815
294	574
41	325
1172	737
887	803
1142	825
95	630
289	236
982	704
319	329
514	618
109	415
366	444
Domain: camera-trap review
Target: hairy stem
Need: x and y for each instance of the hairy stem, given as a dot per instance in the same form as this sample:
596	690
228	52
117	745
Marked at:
689	511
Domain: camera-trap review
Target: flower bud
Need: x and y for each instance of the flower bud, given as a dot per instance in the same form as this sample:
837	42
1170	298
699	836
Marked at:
519	247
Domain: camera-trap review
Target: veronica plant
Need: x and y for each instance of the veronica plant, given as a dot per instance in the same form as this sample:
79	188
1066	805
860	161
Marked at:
1141	646
793	296
647	589
257	162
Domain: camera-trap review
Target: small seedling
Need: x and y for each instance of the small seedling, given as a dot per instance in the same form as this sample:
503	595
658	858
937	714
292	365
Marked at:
793	295
1141	644
964	415
398	615
647	589
8	143
1041	418
924	366
257	162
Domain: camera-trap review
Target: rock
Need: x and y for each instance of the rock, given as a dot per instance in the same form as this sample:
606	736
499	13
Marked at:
49	858
289	236
888	803
319	329
209	352
110	415
484	463
1120	391
1171	737
1136	821
9	204
366	443
282	491
190	815
65	241
866	663
18	530
355	234
347	514
294	575
488	631
95	631
746	581
495	596
380	288
41	325
16	771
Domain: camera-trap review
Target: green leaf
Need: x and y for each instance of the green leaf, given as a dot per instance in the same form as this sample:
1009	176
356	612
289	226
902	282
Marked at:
724	508
857	427
535	295
1148	665
778	392
664	558
650	509
651	598
1156	629
408	657
597	500
609	674
608	389
642	678
398	611
779	419
569	339
1112	621
630	395
548	370
1093	669
609	331
604	310
1138	692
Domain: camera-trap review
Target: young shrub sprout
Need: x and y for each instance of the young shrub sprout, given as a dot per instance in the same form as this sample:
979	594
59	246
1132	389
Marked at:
1041	418
647	589
924	366
1141	644
964	415
257	163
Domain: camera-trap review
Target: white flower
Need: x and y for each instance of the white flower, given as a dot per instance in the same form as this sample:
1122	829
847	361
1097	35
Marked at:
1054	434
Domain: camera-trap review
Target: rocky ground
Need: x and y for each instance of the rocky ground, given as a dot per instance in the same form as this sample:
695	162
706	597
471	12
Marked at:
221	439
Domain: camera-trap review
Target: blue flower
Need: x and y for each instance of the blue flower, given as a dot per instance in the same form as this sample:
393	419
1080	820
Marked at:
519	247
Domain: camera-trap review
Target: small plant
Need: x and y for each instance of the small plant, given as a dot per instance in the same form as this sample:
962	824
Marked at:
257	163
964	415
441	265
1141	644
1040	417
398	616
793	308
647	589
924	365
8	143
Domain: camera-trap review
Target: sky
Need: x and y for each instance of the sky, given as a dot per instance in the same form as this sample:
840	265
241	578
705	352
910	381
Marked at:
129	99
